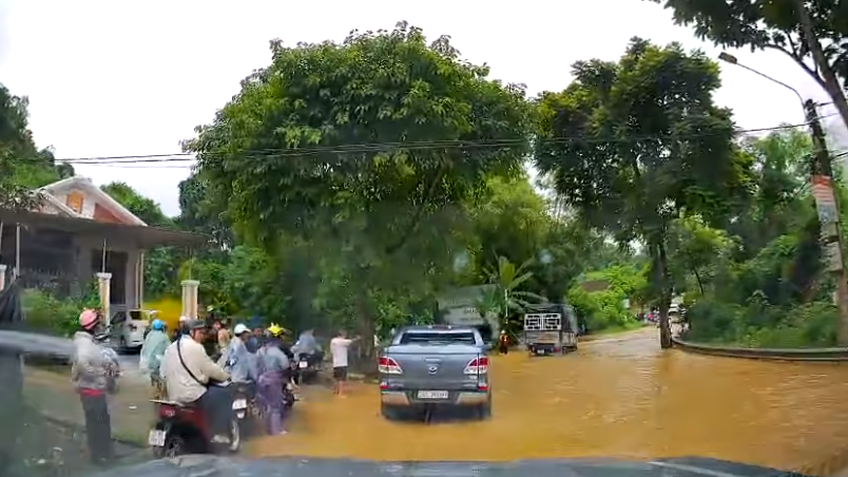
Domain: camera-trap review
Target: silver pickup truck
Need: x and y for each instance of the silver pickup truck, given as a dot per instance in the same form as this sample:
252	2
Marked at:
435	366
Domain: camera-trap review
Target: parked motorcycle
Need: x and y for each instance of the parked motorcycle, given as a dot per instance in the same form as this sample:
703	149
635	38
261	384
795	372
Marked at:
308	366
246	408
184	429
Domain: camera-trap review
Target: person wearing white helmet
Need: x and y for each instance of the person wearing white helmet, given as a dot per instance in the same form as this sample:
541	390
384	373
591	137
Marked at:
237	360
94	371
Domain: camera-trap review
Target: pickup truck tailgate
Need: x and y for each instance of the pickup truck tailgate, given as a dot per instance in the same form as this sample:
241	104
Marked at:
442	367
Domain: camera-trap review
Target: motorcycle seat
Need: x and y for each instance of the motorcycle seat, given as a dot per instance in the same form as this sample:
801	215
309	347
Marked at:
171	403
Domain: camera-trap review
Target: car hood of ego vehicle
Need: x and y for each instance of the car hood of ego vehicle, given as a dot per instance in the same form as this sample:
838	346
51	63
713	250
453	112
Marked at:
307	467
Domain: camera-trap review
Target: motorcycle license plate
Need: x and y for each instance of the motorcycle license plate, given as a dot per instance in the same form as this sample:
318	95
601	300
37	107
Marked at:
156	438
240	404
302	364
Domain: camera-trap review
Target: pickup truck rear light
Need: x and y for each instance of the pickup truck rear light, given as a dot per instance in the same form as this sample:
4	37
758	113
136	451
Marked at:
388	365
478	365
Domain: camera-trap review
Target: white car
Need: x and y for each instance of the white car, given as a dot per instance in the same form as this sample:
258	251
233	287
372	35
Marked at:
128	327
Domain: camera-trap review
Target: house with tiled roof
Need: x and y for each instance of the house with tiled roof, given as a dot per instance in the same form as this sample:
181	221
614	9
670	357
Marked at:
77	233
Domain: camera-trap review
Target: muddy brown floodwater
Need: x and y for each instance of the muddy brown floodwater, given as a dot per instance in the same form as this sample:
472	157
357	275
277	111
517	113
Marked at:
615	397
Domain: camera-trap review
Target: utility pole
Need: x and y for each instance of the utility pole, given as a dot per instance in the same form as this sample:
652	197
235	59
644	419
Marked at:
827	207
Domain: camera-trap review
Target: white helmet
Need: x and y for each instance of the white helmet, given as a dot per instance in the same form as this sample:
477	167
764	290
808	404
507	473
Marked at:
240	328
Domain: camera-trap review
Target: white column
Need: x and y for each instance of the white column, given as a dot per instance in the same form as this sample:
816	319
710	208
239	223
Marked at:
190	298
104	280
140	279
2	276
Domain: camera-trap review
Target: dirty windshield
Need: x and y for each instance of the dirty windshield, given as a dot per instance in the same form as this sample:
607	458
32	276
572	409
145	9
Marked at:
593	237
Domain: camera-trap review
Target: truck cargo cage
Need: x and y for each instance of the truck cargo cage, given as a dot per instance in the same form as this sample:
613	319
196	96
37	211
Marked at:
543	322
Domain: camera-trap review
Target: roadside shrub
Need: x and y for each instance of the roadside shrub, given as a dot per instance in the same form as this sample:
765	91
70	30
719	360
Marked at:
600	310
45	313
761	325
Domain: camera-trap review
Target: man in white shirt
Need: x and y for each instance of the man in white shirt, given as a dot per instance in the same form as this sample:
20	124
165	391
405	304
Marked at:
339	347
187	371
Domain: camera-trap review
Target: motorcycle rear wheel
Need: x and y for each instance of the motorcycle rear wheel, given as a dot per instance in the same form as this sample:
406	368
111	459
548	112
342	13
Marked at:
175	446
235	435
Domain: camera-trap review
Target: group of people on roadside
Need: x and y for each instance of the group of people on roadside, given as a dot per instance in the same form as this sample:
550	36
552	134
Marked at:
184	377
183	371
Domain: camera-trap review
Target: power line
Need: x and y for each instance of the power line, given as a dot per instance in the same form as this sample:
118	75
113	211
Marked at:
358	148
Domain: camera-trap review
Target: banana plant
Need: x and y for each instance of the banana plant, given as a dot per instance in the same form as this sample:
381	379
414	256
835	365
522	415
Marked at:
508	278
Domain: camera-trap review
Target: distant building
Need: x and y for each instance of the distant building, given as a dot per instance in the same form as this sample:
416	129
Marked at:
458	306
77	231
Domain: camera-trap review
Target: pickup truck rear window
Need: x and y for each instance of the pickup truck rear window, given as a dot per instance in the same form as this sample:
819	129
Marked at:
437	337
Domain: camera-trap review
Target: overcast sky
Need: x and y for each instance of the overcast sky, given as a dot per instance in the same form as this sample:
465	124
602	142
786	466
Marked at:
114	78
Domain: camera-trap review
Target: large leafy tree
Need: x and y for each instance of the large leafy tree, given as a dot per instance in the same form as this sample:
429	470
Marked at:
811	32
366	150
632	145
512	220
200	212
23	166
779	197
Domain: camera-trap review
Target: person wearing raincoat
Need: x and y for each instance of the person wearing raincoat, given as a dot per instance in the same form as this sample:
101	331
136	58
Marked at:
238	361
94	373
150	358
274	371
503	342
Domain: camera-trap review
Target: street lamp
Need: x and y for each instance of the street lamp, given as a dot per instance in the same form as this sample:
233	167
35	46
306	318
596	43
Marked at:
728	58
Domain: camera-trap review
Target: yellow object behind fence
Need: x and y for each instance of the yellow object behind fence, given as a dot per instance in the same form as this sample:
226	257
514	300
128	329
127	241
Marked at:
169	311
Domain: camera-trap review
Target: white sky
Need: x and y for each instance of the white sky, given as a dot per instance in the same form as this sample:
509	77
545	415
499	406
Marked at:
113	78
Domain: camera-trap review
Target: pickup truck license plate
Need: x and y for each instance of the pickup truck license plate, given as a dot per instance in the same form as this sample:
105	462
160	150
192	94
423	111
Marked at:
240	404
156	438
302	364
432	394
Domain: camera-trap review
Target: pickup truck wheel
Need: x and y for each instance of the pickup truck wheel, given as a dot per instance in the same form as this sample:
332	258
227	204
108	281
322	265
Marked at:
389	413
484	411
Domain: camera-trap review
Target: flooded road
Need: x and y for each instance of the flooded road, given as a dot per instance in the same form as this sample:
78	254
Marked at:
614	397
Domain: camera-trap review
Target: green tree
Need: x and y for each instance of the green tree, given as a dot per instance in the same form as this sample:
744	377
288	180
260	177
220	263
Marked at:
365	151
653	145
23	167
510	220
200	213
779	199
697	250
811	32
513	220
142	207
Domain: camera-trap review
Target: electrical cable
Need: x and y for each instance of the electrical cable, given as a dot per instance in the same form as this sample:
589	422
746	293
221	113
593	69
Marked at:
187	160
